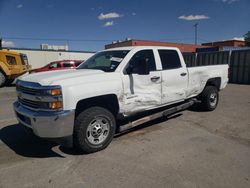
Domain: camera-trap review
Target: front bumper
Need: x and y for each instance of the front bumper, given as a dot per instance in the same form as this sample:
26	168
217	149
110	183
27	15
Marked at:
51	125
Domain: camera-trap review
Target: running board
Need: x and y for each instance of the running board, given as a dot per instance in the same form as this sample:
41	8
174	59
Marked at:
157	115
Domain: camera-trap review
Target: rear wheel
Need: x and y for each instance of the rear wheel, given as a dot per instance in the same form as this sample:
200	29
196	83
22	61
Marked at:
209	98
2	79
94	129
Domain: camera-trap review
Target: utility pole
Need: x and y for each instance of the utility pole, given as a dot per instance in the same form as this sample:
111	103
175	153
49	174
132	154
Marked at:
195	32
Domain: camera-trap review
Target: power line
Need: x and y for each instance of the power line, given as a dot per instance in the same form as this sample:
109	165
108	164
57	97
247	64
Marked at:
85	40
58	39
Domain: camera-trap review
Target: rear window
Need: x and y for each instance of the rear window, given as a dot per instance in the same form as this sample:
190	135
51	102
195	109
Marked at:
169	59
11	60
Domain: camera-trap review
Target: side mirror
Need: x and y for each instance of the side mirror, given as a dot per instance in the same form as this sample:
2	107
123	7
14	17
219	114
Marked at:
129	70
141	67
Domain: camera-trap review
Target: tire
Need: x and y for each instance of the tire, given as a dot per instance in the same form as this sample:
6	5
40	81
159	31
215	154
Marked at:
9	81
94	129
2	79
209	98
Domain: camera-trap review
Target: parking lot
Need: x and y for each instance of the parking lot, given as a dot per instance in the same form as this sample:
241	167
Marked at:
188	149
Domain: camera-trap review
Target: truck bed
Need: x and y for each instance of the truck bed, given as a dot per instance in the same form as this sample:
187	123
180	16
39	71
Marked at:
198	77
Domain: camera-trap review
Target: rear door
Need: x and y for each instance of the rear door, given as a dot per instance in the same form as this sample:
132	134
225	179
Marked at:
174	76
142	91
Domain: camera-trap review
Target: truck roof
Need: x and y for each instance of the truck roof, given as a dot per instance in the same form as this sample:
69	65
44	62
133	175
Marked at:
142	47
9	52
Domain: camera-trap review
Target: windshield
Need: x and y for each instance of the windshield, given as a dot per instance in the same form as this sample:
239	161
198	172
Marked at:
106	61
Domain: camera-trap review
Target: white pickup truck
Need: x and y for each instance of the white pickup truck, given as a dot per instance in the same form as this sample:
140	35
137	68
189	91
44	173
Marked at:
81	107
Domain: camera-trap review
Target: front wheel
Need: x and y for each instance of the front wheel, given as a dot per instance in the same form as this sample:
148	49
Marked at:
209	98
94	129
2	79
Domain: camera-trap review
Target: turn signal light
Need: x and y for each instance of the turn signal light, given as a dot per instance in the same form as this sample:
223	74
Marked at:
56	105
55	91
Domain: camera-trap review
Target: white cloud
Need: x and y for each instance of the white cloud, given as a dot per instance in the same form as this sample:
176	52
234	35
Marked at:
193	17
133	14
19	6
108	24
8	43
110	15
239	38
229	1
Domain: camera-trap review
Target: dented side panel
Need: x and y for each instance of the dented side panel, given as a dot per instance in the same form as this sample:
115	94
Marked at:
174	85
140	93
198	77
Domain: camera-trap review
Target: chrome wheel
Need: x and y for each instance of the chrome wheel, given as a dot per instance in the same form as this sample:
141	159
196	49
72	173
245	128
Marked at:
213	99
98	130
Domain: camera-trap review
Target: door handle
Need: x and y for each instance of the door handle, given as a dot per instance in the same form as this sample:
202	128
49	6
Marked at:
183	74
155	78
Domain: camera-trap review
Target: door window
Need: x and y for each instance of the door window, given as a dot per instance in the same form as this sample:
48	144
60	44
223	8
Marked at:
146	55
169	59
11	60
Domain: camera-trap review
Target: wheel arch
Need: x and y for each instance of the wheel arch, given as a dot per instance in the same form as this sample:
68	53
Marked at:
108	101
216	82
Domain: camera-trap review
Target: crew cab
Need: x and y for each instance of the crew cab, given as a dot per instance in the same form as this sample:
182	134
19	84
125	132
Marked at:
58	65
81	107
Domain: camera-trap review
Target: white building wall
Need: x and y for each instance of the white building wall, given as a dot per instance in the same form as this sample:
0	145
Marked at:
39	58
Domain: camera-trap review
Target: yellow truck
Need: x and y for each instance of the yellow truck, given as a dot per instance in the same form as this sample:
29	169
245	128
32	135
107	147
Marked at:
12	65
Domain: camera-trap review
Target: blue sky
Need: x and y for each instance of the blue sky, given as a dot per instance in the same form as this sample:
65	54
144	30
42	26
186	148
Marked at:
90	24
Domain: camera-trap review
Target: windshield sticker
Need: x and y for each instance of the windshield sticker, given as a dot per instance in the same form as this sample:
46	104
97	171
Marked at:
117	59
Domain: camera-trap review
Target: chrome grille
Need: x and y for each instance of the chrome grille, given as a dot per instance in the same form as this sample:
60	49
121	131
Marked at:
28	90
34	96
32	104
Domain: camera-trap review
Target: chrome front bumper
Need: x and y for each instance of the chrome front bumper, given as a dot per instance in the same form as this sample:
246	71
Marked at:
46	124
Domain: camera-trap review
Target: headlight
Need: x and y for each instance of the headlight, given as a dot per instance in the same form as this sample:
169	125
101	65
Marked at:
55	92
52	91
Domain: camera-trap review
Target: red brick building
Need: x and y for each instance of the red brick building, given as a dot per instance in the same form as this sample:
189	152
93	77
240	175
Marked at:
233	43
132	42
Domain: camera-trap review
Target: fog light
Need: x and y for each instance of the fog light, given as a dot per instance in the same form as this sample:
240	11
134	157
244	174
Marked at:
56	105
55	92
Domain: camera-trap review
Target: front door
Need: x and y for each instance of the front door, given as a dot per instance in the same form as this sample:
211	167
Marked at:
141	92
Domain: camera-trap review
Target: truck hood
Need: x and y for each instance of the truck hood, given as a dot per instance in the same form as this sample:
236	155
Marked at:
47	78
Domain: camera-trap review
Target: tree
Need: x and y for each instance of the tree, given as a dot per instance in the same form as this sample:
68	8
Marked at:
247	37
